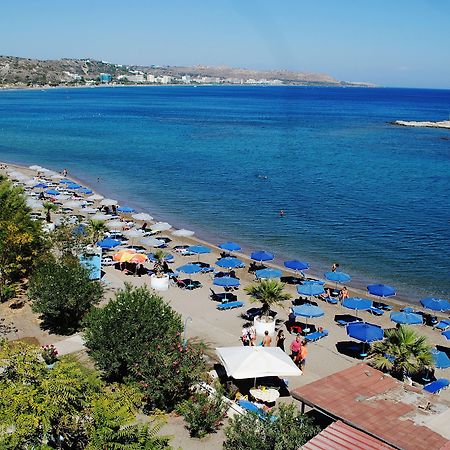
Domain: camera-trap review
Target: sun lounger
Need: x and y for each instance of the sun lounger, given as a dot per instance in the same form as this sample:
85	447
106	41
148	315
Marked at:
229	305
436	386
443	325
316	336
344	323
330	300
249	406
376	311
383	306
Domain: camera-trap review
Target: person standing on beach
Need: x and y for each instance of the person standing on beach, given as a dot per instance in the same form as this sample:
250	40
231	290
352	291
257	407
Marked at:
295	347
267	340
301	357
252	335
245	335
280	339
335	267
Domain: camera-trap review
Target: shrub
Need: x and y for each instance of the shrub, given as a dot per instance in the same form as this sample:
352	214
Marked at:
63	293
7	292
285	429
136	336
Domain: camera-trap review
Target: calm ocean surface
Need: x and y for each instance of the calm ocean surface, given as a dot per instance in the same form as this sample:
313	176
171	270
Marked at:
224	160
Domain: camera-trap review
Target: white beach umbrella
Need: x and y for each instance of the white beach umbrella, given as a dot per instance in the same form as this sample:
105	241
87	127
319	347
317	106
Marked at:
255	362
73	204
31	182
44	170
142	216
33	203
35	167
95	197
183	233
108	202
89	210
161	226
56	176
152	242
115	224
133	233
100	216
64	197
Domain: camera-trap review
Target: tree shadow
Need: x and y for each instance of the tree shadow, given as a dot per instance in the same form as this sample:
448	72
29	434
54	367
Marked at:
350	348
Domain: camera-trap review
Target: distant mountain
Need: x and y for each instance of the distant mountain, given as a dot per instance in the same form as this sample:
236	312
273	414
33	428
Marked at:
23	72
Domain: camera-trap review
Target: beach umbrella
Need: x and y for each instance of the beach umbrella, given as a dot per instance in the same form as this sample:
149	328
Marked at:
40	186
357	304
189	269
308	311
406	318
100	216
441	360
226	282
95	197
133	234
126	209
72	204
144	217
435	304
52	192
310	289
268	273
31	182
198	250
229	262
66	181
262	255
118	256
108	202
73	186
381	290
84	190
183	233
56	176
115	224
365	332
33	203
87	210
230	246
296	265
338	277
255	362
139	258
44	170
446	334
160	226
108	243
152	242
36	168
167	257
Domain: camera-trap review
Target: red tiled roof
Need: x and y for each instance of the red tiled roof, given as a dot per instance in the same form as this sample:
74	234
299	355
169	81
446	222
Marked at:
344	437
348	395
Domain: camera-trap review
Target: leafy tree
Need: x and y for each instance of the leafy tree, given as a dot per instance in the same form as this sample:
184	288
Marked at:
286	429
96	229
402	352
269	293
67	240
63	293
49	208
137	336
67	407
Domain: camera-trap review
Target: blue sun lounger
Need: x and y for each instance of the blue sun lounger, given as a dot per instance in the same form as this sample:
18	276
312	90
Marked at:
316	336
443	325
229	305
436	386
376	311
249	406
330	300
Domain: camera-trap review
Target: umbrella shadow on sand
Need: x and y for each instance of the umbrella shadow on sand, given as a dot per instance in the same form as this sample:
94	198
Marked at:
350	348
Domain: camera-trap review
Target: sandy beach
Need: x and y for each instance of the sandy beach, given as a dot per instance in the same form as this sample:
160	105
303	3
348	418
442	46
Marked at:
223	328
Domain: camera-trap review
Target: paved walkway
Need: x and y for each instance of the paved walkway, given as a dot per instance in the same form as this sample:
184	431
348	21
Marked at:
69	345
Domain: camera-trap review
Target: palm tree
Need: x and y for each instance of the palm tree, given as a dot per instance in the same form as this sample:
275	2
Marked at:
268	293
402	352
96	229
159	256
49	206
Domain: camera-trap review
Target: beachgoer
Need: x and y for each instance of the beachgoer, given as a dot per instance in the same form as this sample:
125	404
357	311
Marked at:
280	339
334	267
281	213
326	294
301	357
252	334
291	319
343	293
267	340
245	335
144	226
295	347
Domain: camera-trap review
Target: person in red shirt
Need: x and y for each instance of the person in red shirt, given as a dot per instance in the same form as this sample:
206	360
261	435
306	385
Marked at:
295	347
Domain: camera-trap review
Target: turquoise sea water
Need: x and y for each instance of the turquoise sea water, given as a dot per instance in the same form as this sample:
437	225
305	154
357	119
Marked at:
224	160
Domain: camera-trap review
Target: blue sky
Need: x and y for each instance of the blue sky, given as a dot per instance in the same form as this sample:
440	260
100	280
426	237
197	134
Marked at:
391	43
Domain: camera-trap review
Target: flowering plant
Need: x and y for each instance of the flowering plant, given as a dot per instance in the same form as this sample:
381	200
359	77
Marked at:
49	354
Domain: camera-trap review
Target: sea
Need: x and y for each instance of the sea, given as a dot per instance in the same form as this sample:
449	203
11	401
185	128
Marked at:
225	160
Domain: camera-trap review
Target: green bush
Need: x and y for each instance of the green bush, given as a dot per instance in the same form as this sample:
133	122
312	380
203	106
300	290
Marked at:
7	292
63	293
203	413
285	429
137	336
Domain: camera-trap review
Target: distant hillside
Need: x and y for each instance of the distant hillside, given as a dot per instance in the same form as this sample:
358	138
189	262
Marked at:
23	72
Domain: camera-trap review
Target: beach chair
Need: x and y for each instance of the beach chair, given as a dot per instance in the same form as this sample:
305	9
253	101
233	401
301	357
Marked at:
330	300
249	406
376	311
316	335
179	283
443	325
343	323
229	305
382	306
436	386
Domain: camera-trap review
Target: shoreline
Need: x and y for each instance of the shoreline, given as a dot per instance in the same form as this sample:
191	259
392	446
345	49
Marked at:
397	301
443	124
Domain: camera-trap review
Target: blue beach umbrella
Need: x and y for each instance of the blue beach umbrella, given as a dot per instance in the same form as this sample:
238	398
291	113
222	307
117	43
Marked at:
310	289
66	181
198	249
357	304
74	186
52	192
126	209
262	255
316	282
230	246
226	282
435	304
381	290
189	269
406	318
268	273
338	277
446	334
307	311
365	332
441	360
229	262
40	186
108	243
85	190
296	265
167	257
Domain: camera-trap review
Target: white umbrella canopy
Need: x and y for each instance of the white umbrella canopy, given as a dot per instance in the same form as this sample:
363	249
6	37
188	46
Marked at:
44	170
133	233
56	176
100	216
33	203
142	216
115	224
161	226
183	233
256	362
95	197
108	202
72	204
152	242
89	210
31	182
36	168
